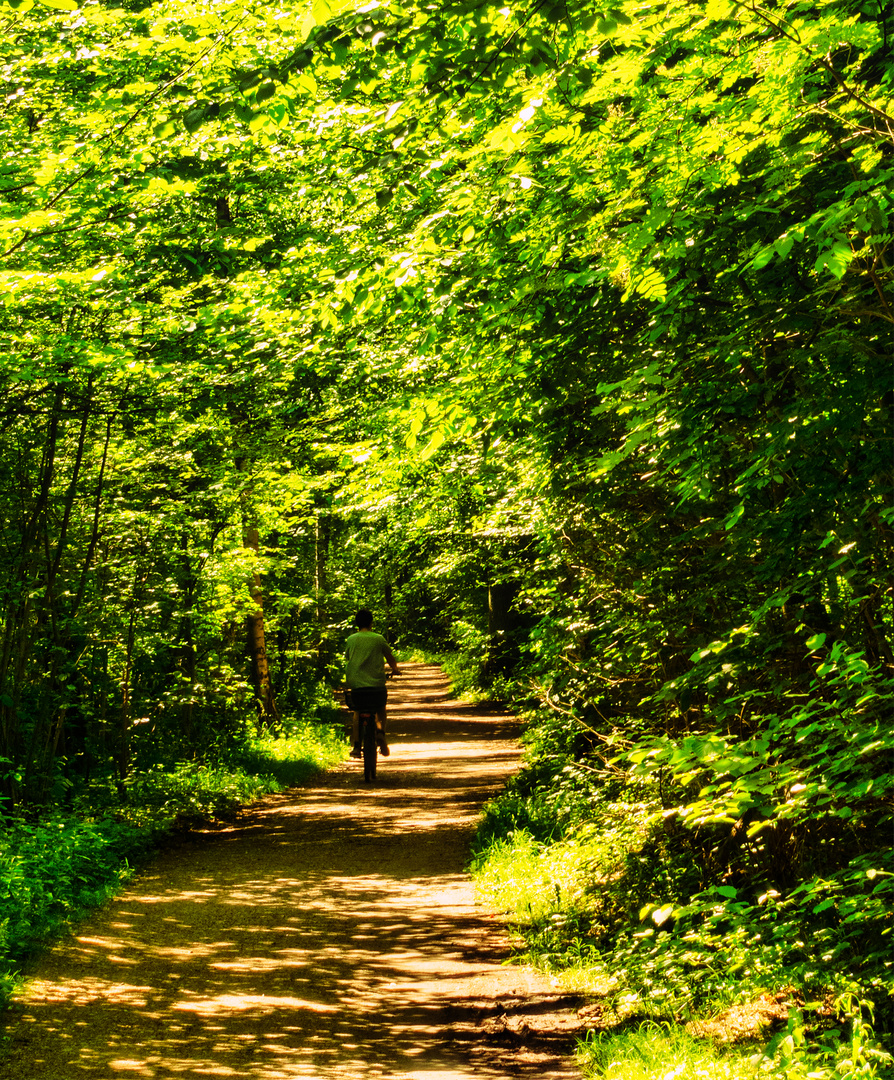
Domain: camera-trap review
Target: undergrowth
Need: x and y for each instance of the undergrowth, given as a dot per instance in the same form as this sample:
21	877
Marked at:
54	870
652	1051
662	1051
464	675
609	895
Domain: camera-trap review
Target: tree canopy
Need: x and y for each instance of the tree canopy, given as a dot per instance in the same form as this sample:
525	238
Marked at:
559	334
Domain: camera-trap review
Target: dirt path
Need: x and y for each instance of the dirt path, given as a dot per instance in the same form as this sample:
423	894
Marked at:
331	934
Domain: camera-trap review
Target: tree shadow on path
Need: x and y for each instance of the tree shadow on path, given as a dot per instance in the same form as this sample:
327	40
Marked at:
331	933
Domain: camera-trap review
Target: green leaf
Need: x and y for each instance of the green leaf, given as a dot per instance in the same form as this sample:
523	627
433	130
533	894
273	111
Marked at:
650	285
734	517
435	443
250	80
662	914
763	258
835	259
194	118
60	5
322	11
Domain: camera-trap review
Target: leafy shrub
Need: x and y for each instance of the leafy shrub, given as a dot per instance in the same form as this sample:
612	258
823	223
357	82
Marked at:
186	794
465	673
607	887
53	871
304	748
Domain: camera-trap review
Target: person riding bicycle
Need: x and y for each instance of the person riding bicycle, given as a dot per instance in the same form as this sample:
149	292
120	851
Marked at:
366	653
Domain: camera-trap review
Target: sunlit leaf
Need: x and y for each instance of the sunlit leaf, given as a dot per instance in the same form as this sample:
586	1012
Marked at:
835	259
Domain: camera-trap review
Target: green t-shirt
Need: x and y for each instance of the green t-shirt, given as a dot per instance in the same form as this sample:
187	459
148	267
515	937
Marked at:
365	652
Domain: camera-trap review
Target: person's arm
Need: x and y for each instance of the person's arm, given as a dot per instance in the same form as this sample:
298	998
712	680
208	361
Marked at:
392	663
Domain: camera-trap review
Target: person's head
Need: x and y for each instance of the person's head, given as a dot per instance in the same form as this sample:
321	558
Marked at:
363	620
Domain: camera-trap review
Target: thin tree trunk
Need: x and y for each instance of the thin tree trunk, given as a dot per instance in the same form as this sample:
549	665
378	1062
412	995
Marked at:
187	637
321	554
122	752
94	532
501	622
256	644
19	609
53	569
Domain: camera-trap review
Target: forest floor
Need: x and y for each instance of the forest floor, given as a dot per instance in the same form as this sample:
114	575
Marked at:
330	932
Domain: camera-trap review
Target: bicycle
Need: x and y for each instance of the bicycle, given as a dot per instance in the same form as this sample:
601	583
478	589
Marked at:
368	739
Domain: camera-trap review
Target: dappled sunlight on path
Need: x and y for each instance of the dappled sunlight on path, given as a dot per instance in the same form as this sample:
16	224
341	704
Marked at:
331	933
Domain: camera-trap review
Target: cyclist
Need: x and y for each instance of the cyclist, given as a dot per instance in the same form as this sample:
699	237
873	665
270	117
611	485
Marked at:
366	653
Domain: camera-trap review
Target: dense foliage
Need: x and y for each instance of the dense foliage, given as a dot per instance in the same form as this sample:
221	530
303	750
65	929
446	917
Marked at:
559	334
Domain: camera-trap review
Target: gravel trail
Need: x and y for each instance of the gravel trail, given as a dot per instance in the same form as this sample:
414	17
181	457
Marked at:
330	933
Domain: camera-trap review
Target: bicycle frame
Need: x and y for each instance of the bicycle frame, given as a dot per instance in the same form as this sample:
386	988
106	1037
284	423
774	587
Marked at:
369	742
368	732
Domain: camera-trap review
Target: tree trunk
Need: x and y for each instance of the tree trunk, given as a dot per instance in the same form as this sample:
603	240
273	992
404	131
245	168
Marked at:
321	552
256	645
501	622
122	749
187	646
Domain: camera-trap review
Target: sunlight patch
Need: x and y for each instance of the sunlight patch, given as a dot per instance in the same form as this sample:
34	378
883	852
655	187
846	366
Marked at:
241	1002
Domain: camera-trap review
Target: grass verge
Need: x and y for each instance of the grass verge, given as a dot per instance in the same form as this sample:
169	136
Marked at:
682	1004
654	1051
693	980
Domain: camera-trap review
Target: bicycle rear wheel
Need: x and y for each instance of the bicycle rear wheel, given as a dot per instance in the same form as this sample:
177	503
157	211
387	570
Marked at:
369	748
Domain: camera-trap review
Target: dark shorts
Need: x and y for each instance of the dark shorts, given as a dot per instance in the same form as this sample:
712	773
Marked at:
368	698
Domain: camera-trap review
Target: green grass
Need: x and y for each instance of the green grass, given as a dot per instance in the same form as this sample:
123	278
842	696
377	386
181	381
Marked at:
306	749
535	882
594	904
53	871
656	1052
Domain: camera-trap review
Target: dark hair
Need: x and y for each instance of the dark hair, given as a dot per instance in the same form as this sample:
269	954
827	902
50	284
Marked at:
363	619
